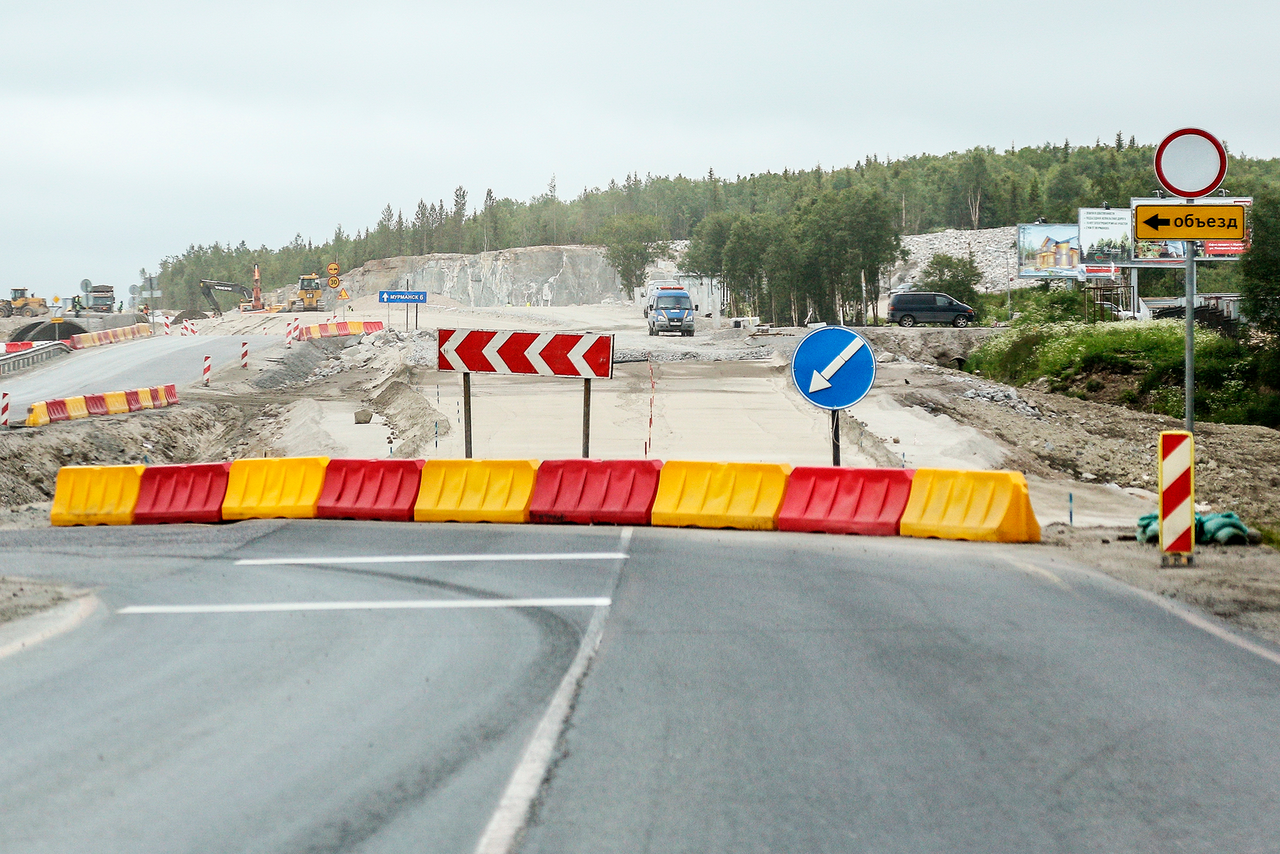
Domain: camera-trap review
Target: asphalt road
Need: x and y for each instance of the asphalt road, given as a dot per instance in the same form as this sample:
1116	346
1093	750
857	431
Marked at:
129	364
751	692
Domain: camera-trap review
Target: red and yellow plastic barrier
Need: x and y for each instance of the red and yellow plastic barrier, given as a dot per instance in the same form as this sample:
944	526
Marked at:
95	495
720	495
475	491
70	408
970	505
279	488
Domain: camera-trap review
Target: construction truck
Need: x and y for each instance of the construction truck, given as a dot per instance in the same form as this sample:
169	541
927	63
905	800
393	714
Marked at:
208	286
101	298
310	294
20	303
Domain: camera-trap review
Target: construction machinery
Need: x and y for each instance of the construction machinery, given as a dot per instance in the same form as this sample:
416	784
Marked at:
101	298
208	286
310	293
20	303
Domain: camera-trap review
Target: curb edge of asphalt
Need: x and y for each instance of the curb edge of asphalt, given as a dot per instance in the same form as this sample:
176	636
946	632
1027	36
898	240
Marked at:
33	629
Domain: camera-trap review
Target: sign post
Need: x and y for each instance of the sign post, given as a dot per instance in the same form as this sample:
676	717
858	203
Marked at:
584	355
1190	163
833	368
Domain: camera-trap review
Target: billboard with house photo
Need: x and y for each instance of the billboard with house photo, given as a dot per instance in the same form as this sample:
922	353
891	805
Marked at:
1048	250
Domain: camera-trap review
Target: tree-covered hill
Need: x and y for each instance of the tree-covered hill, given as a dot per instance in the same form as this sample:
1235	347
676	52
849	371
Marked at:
980	188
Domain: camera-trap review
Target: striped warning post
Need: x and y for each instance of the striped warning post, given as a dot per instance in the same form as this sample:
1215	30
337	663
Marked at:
244	354
4	410
208	368
1177	497
166	324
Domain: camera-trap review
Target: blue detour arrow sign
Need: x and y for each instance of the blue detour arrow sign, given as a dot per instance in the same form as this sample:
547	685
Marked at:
833	368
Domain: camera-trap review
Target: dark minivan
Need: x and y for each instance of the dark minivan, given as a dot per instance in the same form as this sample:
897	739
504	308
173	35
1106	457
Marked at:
911	307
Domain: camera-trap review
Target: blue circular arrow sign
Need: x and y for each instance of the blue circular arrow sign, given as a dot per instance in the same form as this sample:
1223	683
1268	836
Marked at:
833	367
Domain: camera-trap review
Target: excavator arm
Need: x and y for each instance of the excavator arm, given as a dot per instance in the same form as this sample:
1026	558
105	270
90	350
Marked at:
208	286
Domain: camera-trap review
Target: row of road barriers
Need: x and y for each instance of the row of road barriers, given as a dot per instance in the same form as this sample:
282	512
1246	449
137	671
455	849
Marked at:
109	403
947	504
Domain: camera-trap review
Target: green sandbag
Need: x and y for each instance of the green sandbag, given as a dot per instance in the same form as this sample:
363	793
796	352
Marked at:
1223	528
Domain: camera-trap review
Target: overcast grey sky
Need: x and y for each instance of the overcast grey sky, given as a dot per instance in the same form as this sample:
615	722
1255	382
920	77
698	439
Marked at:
133	129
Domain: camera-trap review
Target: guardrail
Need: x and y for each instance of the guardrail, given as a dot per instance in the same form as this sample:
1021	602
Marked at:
10	362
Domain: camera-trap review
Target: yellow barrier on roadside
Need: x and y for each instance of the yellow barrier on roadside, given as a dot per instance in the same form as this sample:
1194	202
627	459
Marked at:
720	495
159	401
95	495
38	414
970	505
116	402
356	327
284	488
144	398
475	491
76	408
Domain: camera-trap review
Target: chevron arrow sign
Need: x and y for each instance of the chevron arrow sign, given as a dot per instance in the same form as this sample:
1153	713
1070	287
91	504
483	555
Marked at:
549	354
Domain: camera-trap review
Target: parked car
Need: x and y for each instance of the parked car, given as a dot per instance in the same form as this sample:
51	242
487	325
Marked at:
1111	311
910	308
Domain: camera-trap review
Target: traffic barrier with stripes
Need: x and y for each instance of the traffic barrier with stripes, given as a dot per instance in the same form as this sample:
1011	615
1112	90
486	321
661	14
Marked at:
970	505
274	488
109	336
96	404
171	394
186	493
475	491
132	400
720	495
95	495
1177	495
38	414
117	402
76	407
334	330
370	489
18	346
592	492
845	501
144	398
57	409
157	397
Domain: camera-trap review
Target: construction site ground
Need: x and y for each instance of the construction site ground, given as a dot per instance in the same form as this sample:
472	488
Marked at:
725	394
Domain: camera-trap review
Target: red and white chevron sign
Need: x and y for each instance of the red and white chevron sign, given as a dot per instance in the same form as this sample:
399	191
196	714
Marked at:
1177	492
548	354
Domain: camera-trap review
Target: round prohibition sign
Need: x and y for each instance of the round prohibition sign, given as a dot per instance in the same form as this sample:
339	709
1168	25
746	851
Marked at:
1191	163
833	368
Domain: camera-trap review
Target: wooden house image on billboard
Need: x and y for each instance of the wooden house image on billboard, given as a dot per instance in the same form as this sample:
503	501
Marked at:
1057	253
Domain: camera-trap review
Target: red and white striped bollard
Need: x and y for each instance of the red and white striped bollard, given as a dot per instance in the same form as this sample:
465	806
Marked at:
244	354
4	410
1177	498
166	324
208	368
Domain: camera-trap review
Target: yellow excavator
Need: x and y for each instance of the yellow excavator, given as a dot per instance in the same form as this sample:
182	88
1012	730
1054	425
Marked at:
310	293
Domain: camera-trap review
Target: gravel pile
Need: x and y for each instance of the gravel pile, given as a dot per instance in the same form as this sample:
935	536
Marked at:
993	251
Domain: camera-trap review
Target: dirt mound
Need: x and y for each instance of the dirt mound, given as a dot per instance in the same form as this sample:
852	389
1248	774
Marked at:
189	314
295	367
413	420
944	346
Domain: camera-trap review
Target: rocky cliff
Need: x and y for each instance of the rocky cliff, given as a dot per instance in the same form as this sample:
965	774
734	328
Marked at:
537	275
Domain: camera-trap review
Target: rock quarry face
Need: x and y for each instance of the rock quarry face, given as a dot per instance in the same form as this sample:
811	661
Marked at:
993	252
534	275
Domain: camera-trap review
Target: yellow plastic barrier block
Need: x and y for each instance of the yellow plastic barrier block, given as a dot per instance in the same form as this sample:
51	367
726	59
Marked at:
475	491
96	495
144	398
38	414
116	402
356	327
720	495
287	488
76	408
970	505
159	400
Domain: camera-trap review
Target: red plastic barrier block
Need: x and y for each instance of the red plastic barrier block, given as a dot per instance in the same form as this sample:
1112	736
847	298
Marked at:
370	489
58	409
172	494
344	328
96	404
131	397
158	399
845	501
372	326
18	346
594	492
171	394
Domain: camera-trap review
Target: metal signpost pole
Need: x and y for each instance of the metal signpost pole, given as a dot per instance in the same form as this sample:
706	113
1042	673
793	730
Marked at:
466	414
1190	250
835	437
586	418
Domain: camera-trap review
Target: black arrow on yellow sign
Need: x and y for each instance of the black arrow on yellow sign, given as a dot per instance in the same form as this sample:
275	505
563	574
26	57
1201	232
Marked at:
1155	221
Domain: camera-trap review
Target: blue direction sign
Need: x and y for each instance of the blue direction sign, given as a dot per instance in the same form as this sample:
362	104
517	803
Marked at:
402	296
833	367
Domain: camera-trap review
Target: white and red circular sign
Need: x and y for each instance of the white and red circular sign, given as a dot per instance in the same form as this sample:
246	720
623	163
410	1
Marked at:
1191	163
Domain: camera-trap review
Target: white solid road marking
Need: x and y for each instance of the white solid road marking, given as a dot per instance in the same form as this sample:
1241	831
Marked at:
480	558
389	605
819	381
